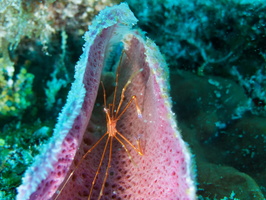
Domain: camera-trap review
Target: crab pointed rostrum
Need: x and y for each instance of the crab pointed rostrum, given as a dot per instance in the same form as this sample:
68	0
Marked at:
113	49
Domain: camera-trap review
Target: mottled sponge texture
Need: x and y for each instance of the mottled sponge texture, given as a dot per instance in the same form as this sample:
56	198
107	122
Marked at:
164	169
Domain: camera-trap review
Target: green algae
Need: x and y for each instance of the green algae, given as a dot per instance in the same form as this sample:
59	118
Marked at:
19	143
16	93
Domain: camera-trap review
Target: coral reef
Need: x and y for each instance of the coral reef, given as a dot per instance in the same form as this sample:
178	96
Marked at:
216	53
207	37
22	36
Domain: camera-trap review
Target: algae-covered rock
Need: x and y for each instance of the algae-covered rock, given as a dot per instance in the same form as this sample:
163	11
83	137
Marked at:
207	103
245	142
217	182
229	143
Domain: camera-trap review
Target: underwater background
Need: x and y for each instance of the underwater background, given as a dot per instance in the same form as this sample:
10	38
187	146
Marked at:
216	53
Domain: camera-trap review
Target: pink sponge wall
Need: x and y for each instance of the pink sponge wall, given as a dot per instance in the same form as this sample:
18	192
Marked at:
163	172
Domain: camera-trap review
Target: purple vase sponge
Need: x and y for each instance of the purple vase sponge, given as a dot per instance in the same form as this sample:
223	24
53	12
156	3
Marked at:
117	55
